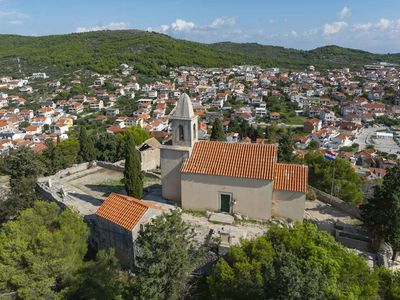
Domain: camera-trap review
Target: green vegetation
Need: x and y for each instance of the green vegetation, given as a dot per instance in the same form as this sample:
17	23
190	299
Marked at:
167	258
106	50
24	167
347	183
313	145
353	148
389	284
139	134
285	148
381	213
324	57
86	146
245	130
133	177
217	132
297	263
40	250
103	51
285	108
100	279
110	147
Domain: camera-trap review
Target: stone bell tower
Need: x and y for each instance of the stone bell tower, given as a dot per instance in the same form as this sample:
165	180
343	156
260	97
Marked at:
184	127
184	123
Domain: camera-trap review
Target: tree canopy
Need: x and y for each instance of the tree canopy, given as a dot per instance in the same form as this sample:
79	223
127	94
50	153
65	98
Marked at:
381	214
139	134
99	279
347	182
166	259
40	250
217	132
285	148
87	151
133	177
24	167
296	263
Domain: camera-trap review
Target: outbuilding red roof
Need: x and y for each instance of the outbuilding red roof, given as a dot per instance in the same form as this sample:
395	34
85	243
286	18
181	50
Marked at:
123	210
291	177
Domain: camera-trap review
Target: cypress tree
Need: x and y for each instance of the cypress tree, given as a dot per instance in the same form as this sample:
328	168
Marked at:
133	174
87	151
285	148
217	132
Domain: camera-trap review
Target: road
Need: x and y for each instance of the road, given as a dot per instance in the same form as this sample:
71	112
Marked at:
385	145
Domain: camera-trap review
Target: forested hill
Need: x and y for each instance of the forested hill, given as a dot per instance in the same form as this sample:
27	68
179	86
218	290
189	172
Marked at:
146	51
324	57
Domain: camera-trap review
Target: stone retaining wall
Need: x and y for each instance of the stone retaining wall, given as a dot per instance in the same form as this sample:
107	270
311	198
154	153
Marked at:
337	203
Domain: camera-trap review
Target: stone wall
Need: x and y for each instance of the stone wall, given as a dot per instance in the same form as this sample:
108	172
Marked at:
112	166
337	203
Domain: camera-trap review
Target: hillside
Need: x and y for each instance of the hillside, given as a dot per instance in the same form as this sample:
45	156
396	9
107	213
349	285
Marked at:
104	50
324	57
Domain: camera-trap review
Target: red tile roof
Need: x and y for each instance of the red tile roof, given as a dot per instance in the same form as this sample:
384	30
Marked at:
254	161
291	177
123	210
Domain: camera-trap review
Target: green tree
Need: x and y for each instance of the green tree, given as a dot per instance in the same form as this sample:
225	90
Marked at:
133	176
98	279
389	284
296	263
110	147
381	214
166	259
271	132
40	250
217	132
313	145
286	148
67	153
139	134
24	167
347	182
87	151
52	158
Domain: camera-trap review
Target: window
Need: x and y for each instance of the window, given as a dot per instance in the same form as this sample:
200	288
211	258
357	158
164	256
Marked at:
194	131
181	135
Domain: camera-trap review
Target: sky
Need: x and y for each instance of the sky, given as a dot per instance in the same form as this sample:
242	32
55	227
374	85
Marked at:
372	25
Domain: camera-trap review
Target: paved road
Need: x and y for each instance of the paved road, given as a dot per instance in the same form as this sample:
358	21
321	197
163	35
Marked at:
366	138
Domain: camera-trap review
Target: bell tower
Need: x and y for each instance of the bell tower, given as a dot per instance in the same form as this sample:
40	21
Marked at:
184	123
184	127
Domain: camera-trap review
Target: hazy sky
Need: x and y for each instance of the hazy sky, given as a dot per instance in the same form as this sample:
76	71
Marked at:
372	25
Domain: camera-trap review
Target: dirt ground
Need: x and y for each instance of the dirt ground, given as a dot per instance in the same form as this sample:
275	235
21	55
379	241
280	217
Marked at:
100	183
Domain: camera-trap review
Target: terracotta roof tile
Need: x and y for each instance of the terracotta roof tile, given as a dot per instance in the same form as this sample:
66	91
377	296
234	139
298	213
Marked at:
291	177
254	161
123	210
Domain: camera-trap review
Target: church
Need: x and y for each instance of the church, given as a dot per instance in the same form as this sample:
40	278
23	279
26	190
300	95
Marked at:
233	178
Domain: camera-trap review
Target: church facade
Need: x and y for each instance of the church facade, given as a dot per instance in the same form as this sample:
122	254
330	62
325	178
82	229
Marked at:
228	177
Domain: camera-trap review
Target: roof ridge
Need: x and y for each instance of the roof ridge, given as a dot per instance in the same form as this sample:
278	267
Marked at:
135	200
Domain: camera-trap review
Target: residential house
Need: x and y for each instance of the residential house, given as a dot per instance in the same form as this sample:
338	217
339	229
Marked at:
75	108
312	125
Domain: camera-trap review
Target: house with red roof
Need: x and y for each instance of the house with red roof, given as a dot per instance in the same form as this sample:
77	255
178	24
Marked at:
118	222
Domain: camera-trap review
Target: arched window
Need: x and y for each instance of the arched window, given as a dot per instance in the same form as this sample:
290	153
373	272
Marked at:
181	135
194	131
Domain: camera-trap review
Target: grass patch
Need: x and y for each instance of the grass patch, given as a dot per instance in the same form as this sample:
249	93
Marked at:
196	213
113	183
298	120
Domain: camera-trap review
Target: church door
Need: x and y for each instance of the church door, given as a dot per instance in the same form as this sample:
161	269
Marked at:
225	200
